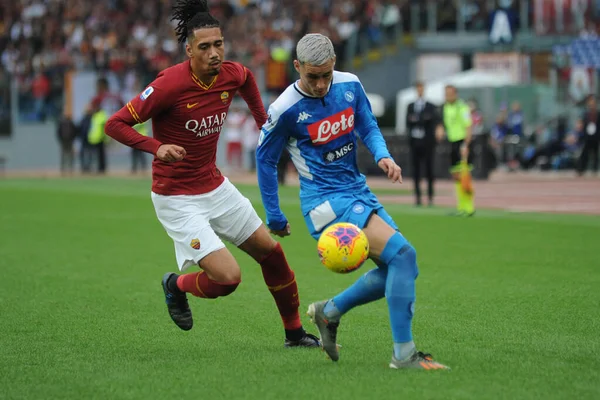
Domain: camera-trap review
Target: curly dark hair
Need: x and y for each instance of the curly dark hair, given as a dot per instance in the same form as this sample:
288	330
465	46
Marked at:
191	15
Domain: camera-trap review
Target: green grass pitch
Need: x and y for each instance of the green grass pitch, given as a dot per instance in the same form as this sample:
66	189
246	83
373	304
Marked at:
510	301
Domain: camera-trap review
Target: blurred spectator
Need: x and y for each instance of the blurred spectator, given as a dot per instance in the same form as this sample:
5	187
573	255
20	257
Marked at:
476	118
250	140
40	90
103	105
545	144
5	104
591	136
571	149
96	136
498	136
138	157
233	131
516	120
85	149
42	39
66	132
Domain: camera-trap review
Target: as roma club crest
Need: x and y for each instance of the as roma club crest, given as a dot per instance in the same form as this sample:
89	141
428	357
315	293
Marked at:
225	97
195	243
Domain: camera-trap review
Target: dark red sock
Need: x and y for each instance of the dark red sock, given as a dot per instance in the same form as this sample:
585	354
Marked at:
281	282
200	285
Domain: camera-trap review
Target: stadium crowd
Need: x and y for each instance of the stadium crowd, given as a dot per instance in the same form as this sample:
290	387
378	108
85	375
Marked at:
41	39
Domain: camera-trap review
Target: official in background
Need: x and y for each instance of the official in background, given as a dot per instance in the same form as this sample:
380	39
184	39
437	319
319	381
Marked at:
138	157
97	138
456	127
66	132
421	121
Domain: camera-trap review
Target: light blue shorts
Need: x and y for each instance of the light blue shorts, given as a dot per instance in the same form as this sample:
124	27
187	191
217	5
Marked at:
355	208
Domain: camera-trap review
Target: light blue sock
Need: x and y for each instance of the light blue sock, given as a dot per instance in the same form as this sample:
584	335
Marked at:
404	350
401	259
368	288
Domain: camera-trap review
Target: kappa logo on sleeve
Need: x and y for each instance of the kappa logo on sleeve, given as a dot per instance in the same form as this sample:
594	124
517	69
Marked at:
146	93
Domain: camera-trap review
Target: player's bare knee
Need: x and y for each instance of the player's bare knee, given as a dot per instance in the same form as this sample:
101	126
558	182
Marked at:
221	266
229	273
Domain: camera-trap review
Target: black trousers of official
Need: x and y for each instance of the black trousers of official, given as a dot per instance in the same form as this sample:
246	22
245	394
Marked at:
99	154
138	160
589	150
422	155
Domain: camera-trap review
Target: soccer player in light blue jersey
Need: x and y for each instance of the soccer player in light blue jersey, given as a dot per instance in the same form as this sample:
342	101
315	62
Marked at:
319	119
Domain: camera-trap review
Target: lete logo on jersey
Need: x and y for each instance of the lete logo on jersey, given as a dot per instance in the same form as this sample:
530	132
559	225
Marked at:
332	127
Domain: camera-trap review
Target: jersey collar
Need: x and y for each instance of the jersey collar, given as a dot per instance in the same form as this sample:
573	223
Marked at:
198	82
303	93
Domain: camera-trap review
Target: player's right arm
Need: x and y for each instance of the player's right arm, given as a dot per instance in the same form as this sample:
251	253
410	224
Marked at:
272	141
151	102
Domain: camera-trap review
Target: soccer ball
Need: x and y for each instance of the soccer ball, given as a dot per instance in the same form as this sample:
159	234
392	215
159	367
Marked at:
343	247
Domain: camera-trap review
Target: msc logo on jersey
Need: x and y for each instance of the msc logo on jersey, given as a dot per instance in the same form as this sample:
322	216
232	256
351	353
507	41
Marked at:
332	127
349	96
338	153
225	97
146	93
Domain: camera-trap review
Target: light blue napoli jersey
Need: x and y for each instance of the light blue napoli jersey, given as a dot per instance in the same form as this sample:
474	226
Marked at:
321	136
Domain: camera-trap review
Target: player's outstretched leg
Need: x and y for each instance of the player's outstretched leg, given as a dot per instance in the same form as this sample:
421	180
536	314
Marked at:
327	328
401	259
418	360
281	281
198	284
326	314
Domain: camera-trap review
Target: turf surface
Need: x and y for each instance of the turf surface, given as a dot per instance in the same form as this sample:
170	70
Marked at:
510	301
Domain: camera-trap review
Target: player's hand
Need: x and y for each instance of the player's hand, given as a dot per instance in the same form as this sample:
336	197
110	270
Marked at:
393	171
283	232
170	153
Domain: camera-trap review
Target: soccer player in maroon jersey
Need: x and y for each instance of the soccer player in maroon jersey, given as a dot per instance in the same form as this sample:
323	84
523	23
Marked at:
196	205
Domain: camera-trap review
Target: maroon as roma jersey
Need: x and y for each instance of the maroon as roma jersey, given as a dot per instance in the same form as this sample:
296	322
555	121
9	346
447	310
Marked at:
190	114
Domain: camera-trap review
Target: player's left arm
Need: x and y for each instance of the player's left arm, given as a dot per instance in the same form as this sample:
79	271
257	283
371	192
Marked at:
272	141
366	125
251	95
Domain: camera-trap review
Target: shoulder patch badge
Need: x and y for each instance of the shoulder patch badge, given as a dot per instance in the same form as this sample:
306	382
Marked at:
146	93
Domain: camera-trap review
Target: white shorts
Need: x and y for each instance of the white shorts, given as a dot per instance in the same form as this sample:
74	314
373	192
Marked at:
197	223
